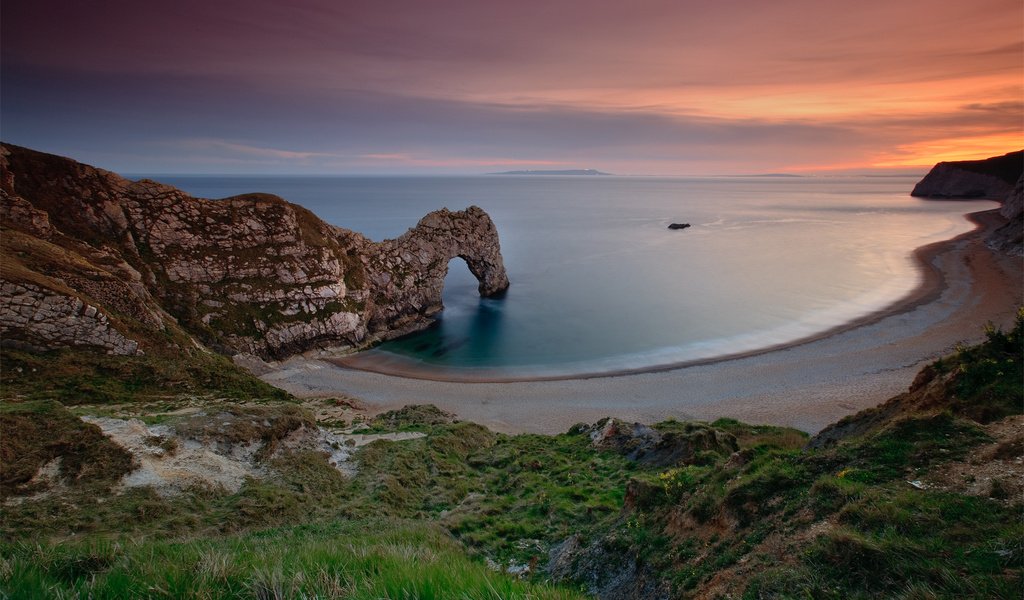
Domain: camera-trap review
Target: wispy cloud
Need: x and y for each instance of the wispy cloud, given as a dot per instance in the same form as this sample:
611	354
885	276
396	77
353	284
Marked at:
224	146
402	158
650	86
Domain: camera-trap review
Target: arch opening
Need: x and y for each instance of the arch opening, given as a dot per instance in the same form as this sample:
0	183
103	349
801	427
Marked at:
460	285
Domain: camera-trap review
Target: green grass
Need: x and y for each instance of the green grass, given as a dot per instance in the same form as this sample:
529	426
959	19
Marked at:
907	445
988	376
890	540
535	490
894	542
373	559
421	514
36	433
79	377
695	524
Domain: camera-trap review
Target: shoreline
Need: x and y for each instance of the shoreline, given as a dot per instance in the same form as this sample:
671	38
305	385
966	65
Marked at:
931	286
807	383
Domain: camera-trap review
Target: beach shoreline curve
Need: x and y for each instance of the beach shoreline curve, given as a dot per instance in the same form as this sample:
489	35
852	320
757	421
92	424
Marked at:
806	384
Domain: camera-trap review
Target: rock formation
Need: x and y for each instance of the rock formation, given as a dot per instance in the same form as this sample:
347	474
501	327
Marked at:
998	178
1010	237
117	261
992	178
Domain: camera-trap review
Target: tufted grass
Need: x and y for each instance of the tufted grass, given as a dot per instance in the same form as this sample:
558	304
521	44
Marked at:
371	560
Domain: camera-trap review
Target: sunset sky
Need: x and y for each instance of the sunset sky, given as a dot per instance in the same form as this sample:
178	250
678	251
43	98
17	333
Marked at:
660	87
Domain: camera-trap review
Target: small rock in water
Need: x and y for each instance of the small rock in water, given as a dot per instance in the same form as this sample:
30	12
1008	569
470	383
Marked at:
678	225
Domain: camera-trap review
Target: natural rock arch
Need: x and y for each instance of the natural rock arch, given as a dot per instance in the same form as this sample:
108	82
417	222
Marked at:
417	263
248	274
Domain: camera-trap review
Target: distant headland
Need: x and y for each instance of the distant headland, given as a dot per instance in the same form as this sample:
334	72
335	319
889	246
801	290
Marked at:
554	172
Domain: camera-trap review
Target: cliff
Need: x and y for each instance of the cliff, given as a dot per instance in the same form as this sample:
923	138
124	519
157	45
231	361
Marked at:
1010	237
991	178
92	259
998	178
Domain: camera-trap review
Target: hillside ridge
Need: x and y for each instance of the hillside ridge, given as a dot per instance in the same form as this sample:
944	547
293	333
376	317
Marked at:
120	261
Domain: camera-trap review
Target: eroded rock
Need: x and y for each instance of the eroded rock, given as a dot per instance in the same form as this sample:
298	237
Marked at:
665	444
250	274
991	178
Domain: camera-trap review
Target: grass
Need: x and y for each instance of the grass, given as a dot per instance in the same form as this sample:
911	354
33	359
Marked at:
36	433
77	377
988	376
779	519
911	444
537	490
774	519
888	539
895	542
357	559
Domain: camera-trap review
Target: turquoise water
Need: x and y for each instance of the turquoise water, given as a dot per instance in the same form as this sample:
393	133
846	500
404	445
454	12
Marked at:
600	284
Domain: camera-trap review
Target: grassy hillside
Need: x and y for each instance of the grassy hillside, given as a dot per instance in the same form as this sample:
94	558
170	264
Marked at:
917	498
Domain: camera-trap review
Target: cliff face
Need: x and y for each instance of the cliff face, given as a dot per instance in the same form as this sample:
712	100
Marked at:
991	178
84	247
997	178
1010	237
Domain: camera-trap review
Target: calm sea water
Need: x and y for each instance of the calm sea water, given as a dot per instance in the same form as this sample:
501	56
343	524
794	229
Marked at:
598	281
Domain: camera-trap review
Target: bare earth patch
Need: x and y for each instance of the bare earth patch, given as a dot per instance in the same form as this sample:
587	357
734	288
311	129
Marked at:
220	449
994	470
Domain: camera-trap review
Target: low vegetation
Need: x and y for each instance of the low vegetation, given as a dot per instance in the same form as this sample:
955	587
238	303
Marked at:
886	503
347	559
73	378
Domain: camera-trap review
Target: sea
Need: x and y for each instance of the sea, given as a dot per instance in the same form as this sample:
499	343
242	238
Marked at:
600	284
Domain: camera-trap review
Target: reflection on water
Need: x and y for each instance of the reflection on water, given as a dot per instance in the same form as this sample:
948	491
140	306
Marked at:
467	332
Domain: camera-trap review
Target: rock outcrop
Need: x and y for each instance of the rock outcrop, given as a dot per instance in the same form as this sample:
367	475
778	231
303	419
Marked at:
998	178
249	274
991	178
667	444
1010	237
43	319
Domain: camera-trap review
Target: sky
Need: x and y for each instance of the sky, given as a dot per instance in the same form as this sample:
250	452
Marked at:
645	87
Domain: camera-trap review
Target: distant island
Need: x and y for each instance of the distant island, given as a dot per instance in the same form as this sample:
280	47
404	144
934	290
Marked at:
554	172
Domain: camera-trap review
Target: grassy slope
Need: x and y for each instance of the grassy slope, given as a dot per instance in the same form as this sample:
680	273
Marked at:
347	559
72	377
775	519
843	521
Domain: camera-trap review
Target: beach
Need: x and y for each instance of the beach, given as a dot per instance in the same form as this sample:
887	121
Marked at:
806	384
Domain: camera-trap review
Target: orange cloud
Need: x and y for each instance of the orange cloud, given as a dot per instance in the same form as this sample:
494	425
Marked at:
929	152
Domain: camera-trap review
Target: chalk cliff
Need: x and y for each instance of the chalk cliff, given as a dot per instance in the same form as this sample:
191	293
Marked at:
1010	237
997	178
991	178
93	259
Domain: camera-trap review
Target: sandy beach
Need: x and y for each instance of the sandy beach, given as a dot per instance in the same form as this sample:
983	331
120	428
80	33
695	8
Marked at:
806	384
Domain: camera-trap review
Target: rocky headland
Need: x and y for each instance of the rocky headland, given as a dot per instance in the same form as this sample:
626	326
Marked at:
91	259
998	178
992	178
